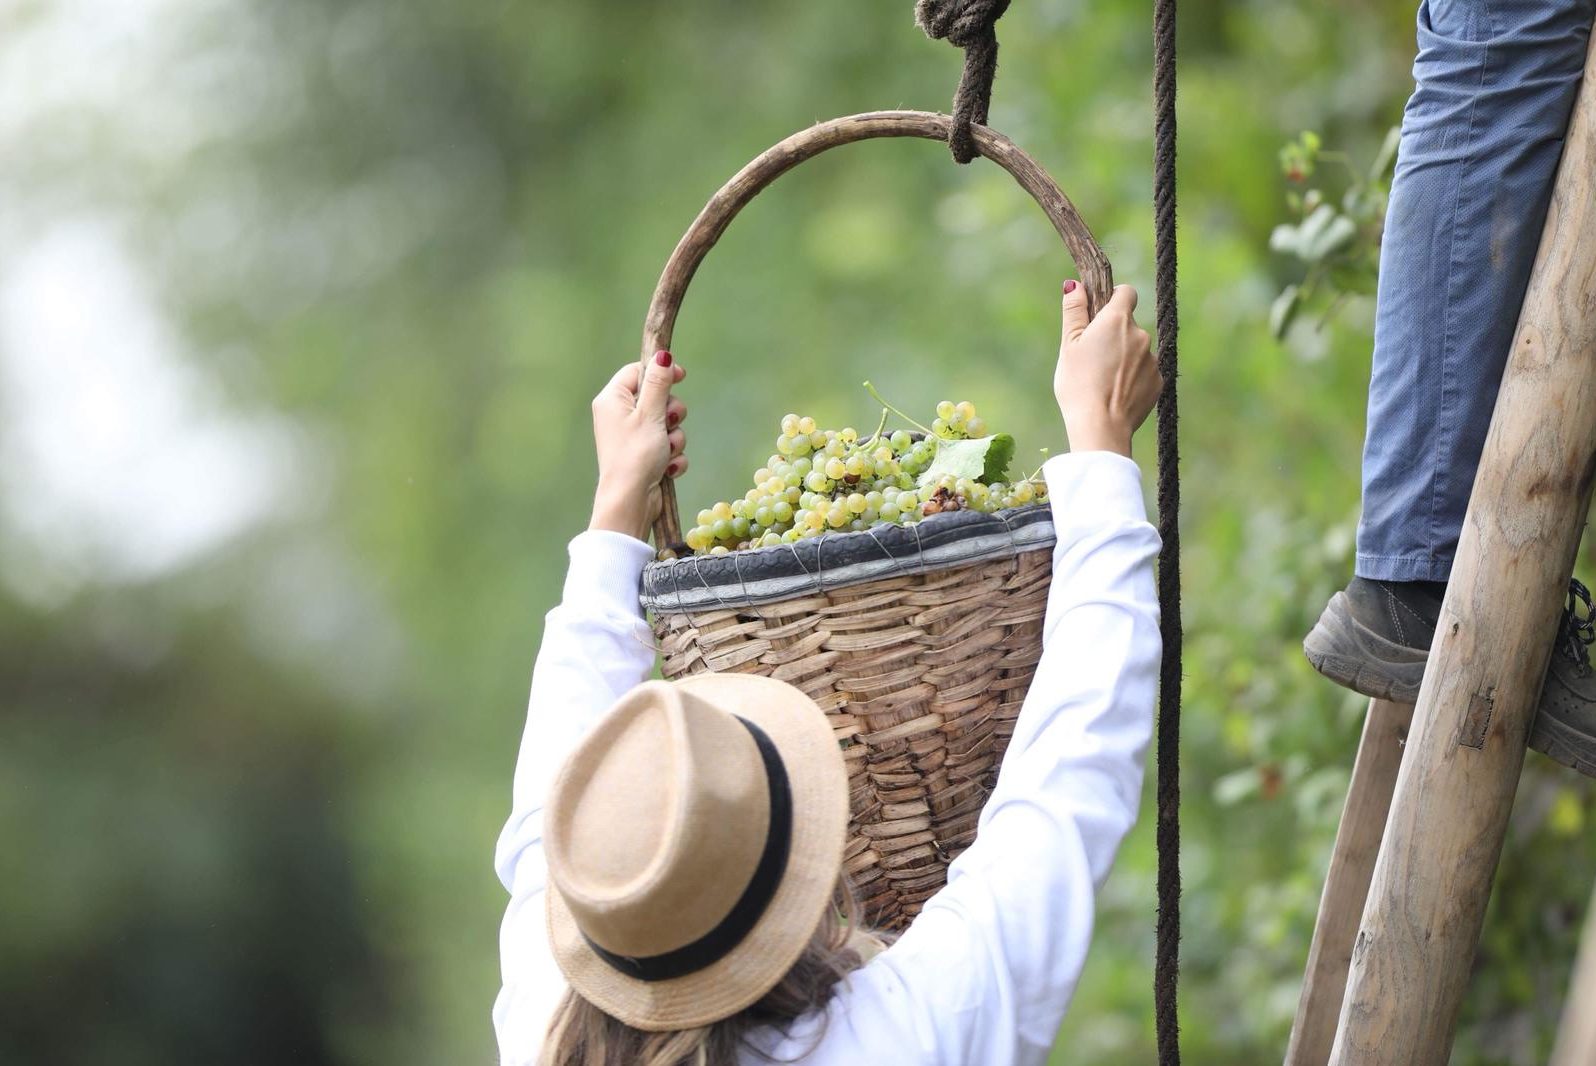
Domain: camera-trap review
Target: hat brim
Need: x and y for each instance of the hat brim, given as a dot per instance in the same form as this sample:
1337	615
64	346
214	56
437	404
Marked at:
819	783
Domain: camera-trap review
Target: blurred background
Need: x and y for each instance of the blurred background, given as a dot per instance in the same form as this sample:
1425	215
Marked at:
301	304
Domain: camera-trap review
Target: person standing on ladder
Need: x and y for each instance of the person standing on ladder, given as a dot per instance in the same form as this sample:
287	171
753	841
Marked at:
675	863
1481	138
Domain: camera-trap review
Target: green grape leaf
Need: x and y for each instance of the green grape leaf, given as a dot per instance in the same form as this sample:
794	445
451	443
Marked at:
982	459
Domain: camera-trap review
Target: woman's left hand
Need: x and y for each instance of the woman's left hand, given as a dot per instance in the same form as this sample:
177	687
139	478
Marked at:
638	434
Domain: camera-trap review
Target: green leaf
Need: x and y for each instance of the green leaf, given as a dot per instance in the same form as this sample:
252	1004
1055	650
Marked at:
1284	310
981	459
1381	167
1356	279
1323	233
1285	238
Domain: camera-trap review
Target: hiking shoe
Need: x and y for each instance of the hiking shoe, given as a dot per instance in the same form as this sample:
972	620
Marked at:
1564	729
1374	638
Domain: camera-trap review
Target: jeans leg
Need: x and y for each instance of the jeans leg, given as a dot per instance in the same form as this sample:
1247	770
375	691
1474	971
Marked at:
1481	137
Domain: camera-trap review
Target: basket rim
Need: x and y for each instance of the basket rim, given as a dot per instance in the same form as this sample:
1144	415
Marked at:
832	561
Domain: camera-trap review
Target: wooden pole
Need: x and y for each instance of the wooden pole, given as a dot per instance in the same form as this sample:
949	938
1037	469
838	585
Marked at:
1449	815
1576	1036
1346	884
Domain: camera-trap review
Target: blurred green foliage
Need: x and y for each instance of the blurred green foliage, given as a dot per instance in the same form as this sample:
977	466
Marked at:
1336	238
249	802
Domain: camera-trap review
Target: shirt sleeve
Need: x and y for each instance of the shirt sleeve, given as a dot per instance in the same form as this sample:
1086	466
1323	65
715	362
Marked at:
596	647
986	971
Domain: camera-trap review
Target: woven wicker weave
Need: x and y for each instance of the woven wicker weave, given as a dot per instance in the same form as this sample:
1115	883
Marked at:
921	671
922	677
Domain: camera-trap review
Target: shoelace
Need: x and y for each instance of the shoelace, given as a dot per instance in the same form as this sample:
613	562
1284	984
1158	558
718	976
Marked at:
1578	631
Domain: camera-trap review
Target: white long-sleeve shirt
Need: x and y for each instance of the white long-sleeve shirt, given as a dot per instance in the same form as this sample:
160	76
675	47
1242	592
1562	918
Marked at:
984	974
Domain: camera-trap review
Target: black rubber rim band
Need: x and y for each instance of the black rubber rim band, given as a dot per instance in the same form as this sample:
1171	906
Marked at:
750	906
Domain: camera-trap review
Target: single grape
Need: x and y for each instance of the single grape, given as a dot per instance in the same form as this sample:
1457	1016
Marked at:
901	441
806	425
837	517
818	481
1023	492
765	516
705	517
816	521
869	516
836	469
817	439
751	495
848	435
770	540
722	510
855	466
802	466
762	475
720	549
791	536
964	410
945	410
722	529
975	427
940	427
782	511
889	511
739	527
874	498
784	444
856	503
802	446
789	425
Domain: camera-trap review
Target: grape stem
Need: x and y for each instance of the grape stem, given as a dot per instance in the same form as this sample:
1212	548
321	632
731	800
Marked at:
876	435
871	389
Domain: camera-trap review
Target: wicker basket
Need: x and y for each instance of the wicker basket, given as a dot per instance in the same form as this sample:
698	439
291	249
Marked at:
918	642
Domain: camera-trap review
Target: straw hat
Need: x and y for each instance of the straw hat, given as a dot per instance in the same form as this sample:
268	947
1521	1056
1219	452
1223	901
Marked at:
694	840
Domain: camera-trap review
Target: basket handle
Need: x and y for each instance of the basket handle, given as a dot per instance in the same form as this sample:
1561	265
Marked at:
1096	274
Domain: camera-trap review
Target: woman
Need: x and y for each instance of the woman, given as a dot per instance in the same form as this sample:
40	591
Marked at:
674	865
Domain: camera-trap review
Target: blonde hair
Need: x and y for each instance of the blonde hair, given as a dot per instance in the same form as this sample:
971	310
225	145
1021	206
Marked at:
581	1034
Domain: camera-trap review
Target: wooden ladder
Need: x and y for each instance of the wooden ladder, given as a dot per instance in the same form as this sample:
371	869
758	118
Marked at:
1433	784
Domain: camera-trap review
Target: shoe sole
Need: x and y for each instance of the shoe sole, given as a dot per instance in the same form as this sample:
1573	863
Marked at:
1356	657
1564	744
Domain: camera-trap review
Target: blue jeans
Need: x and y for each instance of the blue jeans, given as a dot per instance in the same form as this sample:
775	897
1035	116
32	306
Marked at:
1481	137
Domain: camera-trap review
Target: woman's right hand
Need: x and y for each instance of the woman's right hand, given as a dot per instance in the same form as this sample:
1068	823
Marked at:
1107	380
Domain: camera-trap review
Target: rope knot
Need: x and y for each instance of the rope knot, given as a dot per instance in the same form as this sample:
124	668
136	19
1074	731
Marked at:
972	26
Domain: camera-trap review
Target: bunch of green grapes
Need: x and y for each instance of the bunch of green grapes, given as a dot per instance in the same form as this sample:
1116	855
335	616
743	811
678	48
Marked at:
824	480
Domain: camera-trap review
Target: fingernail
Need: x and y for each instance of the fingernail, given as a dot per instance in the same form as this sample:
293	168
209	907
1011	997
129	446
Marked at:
1069	287
662	357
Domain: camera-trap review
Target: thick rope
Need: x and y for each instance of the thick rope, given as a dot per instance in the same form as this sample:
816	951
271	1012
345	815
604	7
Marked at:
972	26
1166	973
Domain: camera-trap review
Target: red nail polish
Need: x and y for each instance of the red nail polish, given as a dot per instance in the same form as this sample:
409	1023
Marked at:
663	358
1069	287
